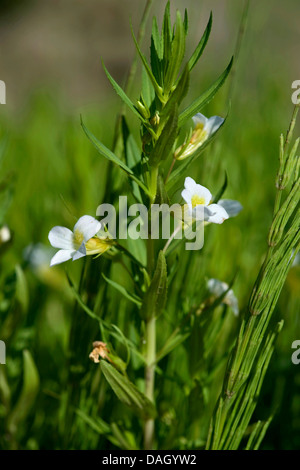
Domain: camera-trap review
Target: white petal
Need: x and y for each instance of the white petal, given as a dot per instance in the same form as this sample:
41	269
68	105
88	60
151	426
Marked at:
88	226
204	193
80	252
233	302
61	256
213	124
217	287
187	195
61	237
199	212
232	207
215	214
200	119
189	184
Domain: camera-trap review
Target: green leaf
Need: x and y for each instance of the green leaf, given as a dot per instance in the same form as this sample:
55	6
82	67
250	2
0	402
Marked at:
186	22
28	394
222	189
173	342
132	156
127	392
156	86
22	295
133	298
201	46
156	53
166	140
155	298
105	152
161	193
177	54
167	33
178	94
157	43
98	425
148	92
123	95
205	98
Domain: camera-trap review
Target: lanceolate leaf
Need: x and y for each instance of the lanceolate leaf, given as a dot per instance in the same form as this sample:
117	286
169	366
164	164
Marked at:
103	150
123	95
178	49
28	393
166	140
127	392
205	98
178	94
133	298
222	189
157	88
167	33
201	46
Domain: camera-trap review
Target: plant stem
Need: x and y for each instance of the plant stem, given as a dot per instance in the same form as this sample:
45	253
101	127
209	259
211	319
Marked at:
150	378
150	356
170	169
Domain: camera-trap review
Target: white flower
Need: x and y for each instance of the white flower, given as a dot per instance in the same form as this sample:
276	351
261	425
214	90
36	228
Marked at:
37	255
78	243
198	199
232	207
204	129
217	288
5	234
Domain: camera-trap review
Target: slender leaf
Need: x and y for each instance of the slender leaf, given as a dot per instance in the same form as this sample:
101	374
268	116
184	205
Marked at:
127	392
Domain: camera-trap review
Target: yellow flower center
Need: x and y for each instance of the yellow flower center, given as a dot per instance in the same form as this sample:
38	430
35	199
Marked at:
96	245
199	135
78	239
196	200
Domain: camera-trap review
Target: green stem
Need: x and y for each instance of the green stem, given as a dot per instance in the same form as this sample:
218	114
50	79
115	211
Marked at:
150	356
150	378
153	184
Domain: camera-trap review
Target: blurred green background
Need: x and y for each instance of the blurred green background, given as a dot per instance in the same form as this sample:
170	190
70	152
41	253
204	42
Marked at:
51	63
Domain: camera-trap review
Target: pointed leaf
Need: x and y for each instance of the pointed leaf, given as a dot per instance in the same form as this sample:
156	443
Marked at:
205	98
127	392
28	394
201	46
133	298
123	95
166	140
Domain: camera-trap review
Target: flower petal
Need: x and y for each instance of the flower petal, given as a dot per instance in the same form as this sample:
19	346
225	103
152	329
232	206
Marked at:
204	193
80	252
232	207
200	119
186	195
213	124
61	256
88	226
61	237
233	302
189	184
215	214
